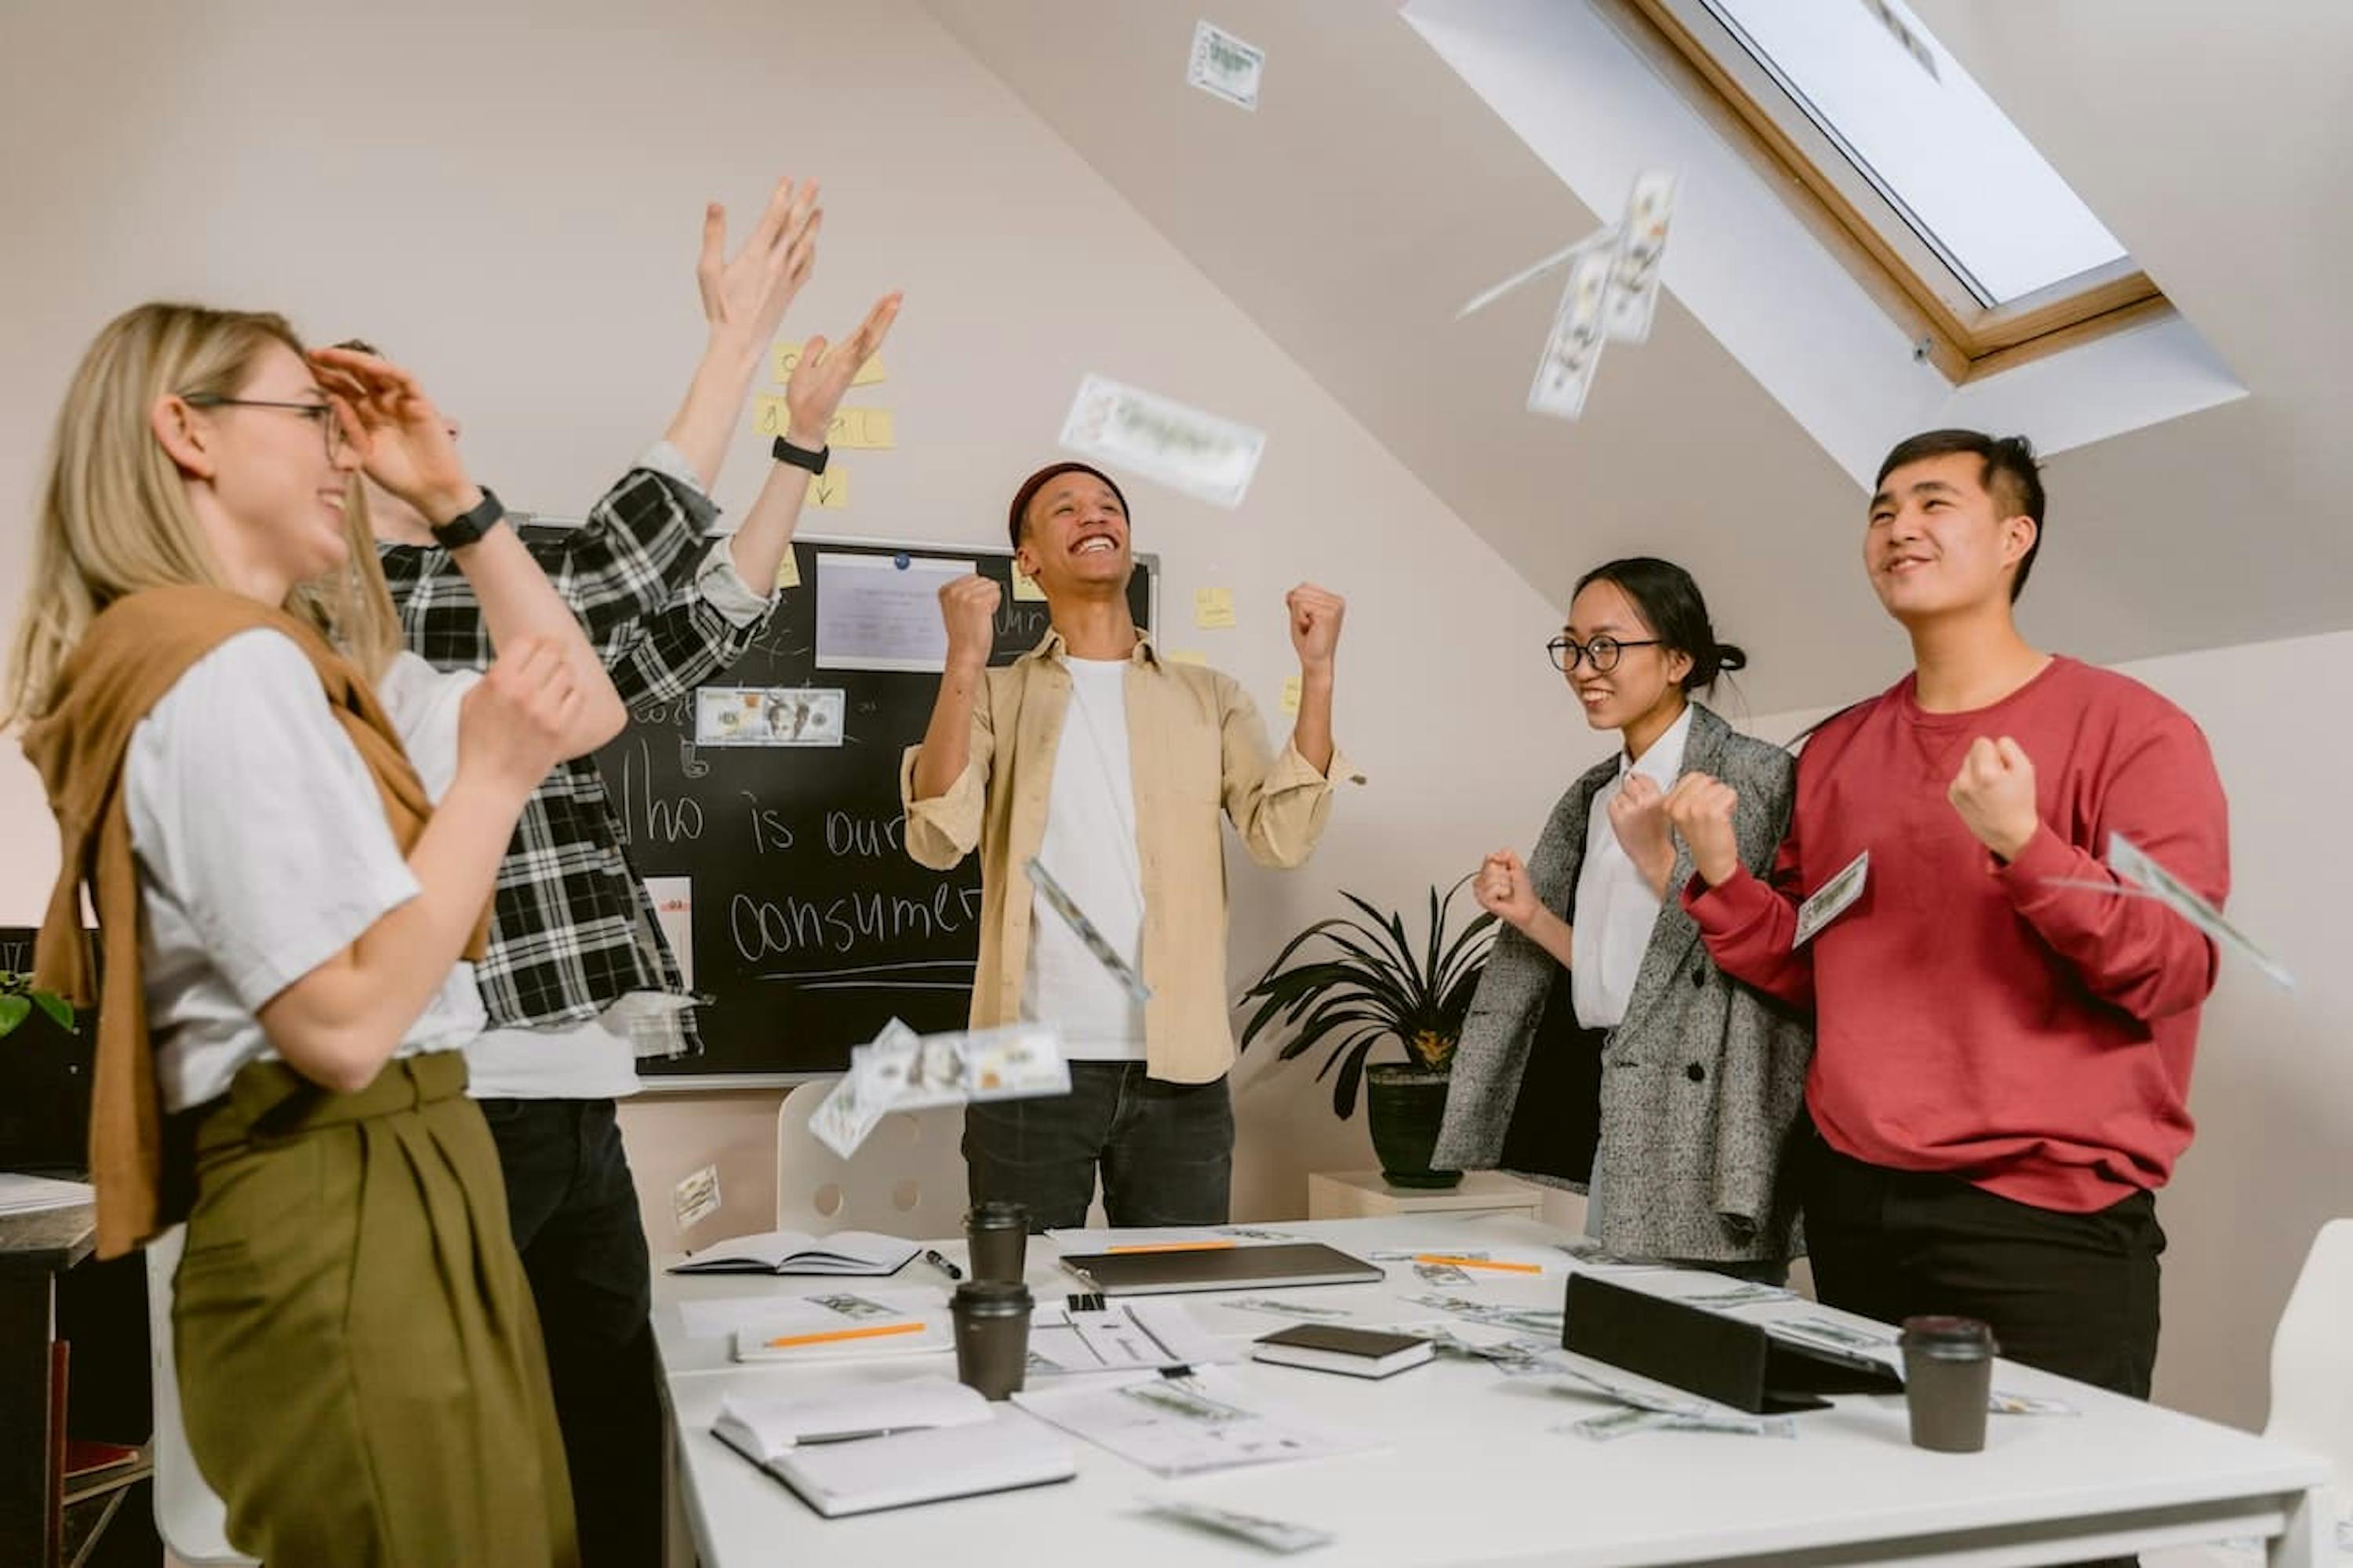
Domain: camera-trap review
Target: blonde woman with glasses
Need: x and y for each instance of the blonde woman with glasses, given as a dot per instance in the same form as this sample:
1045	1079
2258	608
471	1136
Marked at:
289	830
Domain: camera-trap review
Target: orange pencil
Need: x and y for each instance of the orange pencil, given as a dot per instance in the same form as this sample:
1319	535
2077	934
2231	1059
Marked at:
832	1336
1478	1262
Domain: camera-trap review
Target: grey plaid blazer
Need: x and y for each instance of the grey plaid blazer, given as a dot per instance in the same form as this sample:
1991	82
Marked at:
1691	1099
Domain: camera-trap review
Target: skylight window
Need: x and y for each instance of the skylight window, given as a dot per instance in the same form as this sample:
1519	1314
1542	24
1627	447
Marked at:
1915	123
1942	207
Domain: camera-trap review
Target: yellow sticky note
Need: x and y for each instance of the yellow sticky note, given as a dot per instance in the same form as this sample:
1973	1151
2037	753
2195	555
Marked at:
830	490
1213	608
1024	587
1187	656
860	429
769	414
789	570
789	358
1291	696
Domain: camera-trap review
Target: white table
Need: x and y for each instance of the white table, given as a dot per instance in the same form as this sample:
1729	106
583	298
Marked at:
1363	1194
1475	1472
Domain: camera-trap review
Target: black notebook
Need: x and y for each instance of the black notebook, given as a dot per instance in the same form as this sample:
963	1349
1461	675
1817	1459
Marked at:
1330	1347
1278	1265
1725	1358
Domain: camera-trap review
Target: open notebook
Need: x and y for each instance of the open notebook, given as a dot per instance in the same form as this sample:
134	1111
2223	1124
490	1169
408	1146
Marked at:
844	1253
857	1450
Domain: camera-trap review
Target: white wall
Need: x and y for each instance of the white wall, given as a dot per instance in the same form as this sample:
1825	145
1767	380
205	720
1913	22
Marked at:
514	211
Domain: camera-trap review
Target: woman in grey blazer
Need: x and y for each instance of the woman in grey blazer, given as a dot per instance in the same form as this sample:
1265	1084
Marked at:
1604	1052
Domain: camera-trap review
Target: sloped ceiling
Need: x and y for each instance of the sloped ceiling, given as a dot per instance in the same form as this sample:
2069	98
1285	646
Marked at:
1372	192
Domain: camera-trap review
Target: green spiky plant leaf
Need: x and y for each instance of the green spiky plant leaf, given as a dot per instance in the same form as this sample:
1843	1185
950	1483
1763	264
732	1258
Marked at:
1367	983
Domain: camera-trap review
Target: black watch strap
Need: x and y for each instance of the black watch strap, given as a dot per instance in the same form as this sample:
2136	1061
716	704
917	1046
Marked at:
800	457
469	527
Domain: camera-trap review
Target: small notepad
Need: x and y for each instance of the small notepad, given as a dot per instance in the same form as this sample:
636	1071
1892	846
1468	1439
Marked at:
848	1253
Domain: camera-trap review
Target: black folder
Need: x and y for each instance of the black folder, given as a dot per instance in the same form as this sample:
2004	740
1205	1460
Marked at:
1724	1359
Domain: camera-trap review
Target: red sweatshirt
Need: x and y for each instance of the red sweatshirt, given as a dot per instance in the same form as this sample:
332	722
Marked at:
1971	1017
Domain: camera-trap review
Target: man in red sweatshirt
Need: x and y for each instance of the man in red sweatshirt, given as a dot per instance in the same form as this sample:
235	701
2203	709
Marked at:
2002	1055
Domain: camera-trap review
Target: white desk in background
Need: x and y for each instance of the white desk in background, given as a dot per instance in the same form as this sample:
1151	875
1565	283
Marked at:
1473	1472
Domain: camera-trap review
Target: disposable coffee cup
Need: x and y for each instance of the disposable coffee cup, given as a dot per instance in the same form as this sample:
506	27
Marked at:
1947	1381
998	1236
992	1335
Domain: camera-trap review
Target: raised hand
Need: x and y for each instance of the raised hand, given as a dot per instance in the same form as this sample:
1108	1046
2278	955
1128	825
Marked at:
402	441
1700	810
968	605
744	297
1315	616
1504	890
1994	793
825	371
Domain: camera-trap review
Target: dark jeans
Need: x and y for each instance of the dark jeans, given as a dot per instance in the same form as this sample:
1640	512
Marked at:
2071	1294
1166	1150
575	1212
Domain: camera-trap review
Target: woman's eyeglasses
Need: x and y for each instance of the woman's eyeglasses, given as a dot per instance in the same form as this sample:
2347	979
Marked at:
1567	652
331	427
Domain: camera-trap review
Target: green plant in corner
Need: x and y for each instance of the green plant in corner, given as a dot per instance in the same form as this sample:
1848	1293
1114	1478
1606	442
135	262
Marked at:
1376	986
18	997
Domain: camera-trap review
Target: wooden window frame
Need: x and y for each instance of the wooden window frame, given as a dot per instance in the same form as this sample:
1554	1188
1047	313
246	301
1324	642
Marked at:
1964	338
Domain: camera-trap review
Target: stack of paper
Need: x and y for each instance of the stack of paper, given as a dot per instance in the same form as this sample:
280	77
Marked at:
1210	1420
846	1325
38	1194
891	1446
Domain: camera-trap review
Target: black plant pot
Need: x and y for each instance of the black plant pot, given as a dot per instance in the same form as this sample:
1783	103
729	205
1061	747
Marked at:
1406	1105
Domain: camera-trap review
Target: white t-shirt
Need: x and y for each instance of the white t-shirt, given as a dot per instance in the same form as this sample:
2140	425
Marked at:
263	850
1089	847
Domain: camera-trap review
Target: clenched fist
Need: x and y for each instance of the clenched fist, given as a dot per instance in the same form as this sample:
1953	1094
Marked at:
1699	808
1315	624
968	605
1504	890
1637	816
1994	793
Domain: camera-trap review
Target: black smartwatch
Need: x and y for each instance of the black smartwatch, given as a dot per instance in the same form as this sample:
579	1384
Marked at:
468	527
799	457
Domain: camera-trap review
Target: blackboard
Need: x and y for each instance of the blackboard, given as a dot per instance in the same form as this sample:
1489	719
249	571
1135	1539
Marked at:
812	928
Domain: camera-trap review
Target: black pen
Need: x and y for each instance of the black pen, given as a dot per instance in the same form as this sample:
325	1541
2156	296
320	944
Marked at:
932	1256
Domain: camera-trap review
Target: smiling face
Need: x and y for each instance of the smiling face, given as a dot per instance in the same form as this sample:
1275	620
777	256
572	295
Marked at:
1938	543
1643	680
279	477
1074	536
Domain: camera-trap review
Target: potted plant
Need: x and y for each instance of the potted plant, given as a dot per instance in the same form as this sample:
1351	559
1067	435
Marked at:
1371	984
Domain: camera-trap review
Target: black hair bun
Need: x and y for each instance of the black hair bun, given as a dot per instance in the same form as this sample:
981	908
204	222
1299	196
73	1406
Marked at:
1730	657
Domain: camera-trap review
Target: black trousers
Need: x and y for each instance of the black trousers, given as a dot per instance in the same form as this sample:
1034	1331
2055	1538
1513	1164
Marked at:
1166	1150
575	1212
2071	1294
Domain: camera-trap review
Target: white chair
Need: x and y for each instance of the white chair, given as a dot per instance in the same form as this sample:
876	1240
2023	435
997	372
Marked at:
189	1515
906	1180
2311	1382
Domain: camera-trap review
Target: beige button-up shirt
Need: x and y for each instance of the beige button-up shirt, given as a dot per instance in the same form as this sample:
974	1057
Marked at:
1196	747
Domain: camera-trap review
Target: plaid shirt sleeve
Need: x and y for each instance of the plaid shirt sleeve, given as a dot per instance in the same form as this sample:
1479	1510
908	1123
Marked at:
705	629
619	566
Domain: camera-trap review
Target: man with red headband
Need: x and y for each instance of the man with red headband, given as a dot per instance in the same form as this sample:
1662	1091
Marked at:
1108	764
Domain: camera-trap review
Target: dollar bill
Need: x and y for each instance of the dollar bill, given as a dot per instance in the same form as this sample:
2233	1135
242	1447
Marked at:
901	1070
1182	447
1565	370
858	1103
1275	1535
1731	1295
1060	901
1287	1308
1225	67
1605	239
767	715
2002	1404
1625	1423
1611	1425
2128	860
1633	292
1440	1274
847	1305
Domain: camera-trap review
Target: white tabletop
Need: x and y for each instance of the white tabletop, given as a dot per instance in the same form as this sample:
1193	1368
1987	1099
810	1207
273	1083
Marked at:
1474	1471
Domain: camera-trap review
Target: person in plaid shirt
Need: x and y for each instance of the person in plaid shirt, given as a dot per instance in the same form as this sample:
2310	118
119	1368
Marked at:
577	980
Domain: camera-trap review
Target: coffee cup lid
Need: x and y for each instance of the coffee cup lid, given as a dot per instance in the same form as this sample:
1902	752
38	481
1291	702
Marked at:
1950	1335
998	1213
992	1298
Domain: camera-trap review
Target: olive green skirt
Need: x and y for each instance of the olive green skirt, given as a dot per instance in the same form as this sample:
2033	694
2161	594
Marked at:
360	1363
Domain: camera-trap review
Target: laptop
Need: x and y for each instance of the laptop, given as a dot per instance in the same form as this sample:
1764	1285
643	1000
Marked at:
1167	1270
